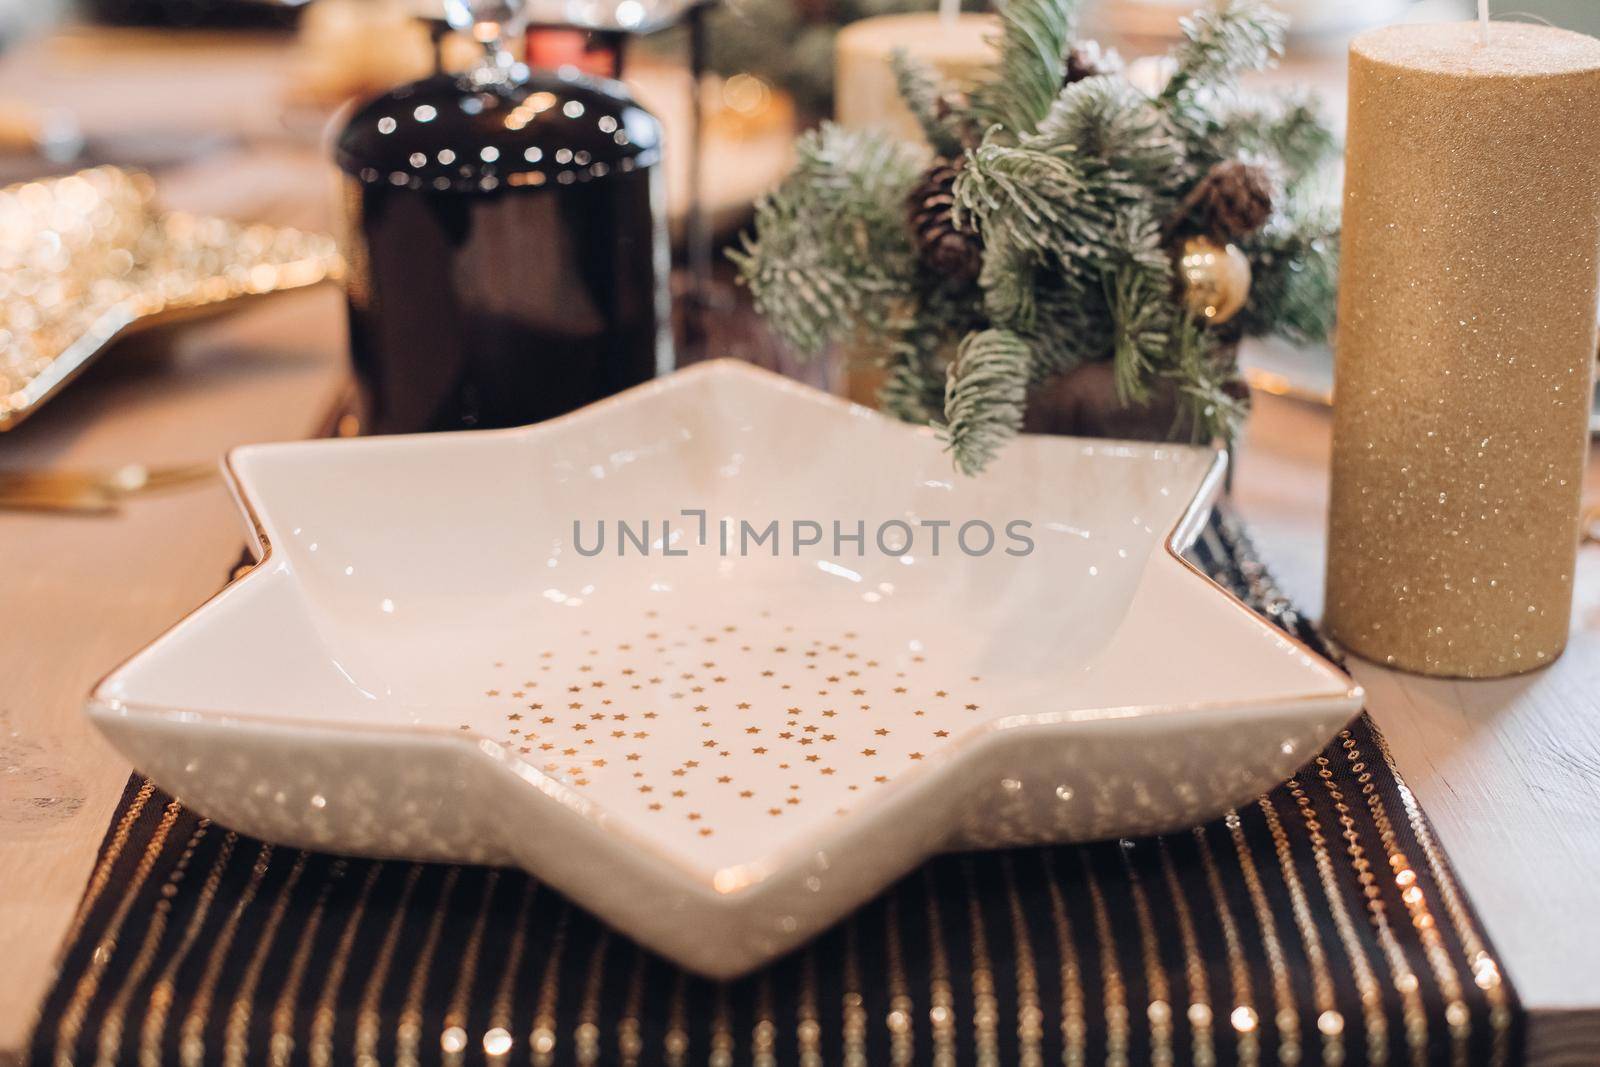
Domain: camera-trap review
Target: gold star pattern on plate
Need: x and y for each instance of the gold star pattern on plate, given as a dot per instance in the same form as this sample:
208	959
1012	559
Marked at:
751	692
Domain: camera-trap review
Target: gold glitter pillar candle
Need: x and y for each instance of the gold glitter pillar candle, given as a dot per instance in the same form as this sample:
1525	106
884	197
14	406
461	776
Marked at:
1467	332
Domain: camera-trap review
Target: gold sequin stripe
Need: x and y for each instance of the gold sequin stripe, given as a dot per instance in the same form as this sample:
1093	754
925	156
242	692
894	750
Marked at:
902	1038
408	1031
102	870
721	1030
1400	974
1030	1018
1374	1022
586	1037
676	1041
763	1039
1404	980
281	1044
985	1005
1457	1016
854	1025
72	1016
1203	1051
941	995
236	1034
323	1017
453	1036
1243	1016
1159	1011
152	1032
808	1030
1287	1017
1115	1008
367	1018
630	1043
155	930
191	1031
542	1039
1073	1029
497	1039
1330	1023
1485	970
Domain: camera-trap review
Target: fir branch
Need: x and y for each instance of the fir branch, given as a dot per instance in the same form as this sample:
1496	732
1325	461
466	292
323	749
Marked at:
919	88
1223	42
919	356
1140	322
1104	158
1202	370
913	391
1294	264
1021	199
1290	130
1063	321
1071	327
830	254
1109	121
1034	39
986	396
1068	190
1140	243
1009	281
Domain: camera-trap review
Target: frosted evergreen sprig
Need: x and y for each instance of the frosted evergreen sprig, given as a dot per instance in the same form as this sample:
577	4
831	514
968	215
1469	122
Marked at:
1034	40
920	90
1223	42
1079	194
1023	200
913	390
1295	263
830	254
1108	122
1288	129
1141	330
986	397
1201	379
1075	193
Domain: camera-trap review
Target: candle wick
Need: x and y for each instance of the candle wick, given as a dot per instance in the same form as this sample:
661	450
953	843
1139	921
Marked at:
1483	22
949	10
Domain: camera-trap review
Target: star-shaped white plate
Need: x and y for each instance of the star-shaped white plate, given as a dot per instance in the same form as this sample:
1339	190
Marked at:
723	750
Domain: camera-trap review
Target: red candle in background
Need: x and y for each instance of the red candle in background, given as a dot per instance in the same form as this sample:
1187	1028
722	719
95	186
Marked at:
554	47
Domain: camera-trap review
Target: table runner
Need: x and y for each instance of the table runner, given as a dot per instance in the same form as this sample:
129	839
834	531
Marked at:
1319	924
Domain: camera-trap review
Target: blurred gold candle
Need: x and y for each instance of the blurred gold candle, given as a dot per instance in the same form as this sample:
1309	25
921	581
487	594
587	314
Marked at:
958	48
1467	335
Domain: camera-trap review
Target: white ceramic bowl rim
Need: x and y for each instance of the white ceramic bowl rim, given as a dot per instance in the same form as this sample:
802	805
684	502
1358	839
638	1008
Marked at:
727	882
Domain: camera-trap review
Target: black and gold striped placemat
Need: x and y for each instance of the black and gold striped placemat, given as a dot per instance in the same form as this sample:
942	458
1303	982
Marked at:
1319	925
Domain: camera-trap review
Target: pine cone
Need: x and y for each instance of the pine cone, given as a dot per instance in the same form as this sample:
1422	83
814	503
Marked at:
1088	60
947	104
944	248
1234	200
948	109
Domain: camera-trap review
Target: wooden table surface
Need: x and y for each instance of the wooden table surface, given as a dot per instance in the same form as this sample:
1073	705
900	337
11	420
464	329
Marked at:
1509	771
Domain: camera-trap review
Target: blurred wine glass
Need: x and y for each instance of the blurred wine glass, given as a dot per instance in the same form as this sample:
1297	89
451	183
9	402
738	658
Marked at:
19	18
466	14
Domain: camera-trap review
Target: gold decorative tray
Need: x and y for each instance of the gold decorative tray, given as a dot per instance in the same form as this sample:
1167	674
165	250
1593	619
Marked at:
89	257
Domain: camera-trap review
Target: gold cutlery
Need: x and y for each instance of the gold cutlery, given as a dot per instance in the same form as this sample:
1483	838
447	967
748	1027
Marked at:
93	490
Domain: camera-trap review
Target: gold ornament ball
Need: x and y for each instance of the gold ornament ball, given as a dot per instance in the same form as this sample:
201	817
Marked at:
1216	279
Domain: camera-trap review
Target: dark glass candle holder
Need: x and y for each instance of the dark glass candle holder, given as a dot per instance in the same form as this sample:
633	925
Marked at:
507	248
